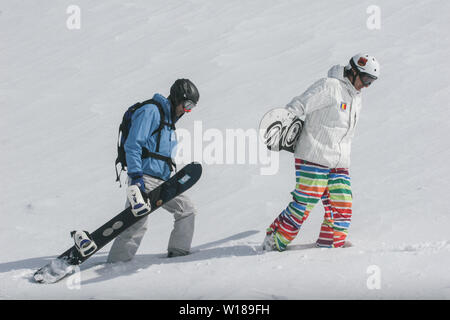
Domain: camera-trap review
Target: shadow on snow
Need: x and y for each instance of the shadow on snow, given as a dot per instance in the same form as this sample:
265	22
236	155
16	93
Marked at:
201	252
109	271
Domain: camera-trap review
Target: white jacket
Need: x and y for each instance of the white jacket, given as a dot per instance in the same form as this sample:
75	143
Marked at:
330	109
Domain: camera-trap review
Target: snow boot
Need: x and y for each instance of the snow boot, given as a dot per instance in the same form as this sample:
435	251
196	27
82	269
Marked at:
269	241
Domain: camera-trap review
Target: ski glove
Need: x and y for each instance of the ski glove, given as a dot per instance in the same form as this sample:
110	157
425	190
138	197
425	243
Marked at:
139	182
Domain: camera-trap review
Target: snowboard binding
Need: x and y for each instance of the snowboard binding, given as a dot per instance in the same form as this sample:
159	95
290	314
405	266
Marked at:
139	205
83	242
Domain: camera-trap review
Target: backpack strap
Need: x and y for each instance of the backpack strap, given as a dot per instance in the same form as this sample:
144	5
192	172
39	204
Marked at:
162	123
147	153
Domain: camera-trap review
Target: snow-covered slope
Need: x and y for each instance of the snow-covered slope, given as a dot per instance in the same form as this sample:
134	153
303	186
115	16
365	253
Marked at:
62	94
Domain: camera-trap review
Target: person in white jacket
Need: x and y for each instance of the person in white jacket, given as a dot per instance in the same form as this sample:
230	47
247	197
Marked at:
330	109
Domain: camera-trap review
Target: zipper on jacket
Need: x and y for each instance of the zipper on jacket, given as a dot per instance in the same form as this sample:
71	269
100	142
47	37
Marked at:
346	133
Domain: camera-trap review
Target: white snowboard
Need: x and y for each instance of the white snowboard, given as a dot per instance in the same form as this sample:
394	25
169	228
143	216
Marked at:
279	129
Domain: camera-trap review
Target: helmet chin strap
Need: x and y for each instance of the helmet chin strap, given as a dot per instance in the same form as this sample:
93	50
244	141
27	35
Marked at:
173	110
351	73
172	101
354	75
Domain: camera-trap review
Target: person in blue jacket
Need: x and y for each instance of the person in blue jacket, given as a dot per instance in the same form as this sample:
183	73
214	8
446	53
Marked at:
150	171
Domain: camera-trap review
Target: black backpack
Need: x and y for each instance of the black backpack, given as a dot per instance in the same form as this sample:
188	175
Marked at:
124	130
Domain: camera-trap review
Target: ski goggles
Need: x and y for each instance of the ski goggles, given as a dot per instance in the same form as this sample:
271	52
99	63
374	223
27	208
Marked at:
188	105
366	78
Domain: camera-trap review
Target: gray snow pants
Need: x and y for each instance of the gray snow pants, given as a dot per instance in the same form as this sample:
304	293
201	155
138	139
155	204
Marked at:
127	243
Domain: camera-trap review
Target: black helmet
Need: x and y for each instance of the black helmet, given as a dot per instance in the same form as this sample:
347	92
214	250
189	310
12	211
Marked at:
182	90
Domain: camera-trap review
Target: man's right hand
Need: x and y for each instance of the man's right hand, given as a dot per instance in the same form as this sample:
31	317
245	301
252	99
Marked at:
139	205
139	182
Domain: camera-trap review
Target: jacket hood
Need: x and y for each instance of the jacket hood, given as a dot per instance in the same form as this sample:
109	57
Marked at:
164	101
337	72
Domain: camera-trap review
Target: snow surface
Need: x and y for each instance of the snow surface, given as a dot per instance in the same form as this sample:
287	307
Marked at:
63	92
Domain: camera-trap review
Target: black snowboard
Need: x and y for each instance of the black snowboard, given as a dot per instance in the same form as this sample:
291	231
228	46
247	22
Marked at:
177	184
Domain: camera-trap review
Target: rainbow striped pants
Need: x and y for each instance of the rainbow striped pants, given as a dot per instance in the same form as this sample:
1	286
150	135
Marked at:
314	183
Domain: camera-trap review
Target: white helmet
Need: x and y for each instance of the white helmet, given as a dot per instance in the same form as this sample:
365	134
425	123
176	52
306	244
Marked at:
366	66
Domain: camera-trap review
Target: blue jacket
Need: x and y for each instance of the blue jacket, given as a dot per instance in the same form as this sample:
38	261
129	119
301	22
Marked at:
144	122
